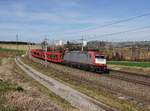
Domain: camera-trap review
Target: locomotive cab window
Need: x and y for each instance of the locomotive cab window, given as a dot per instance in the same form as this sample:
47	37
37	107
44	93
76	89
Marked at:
99	57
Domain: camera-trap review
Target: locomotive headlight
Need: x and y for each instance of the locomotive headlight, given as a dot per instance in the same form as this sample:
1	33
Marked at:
104	61
100	61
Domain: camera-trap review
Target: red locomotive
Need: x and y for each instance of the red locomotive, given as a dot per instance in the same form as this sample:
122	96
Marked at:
92	60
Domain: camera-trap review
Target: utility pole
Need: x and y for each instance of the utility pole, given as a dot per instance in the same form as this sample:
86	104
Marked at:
45	50
29	48
17	42
82	43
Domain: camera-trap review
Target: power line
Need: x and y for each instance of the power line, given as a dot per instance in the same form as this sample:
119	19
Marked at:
121	32
46	41
114	23
123	20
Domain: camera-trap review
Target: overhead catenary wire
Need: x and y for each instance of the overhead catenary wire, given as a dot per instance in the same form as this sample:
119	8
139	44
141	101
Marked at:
113	23
110	24
117	33
121	32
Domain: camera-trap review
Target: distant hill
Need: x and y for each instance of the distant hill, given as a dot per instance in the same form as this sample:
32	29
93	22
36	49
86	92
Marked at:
128	44
98	44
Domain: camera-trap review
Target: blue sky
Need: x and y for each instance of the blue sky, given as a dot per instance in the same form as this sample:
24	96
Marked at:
70	19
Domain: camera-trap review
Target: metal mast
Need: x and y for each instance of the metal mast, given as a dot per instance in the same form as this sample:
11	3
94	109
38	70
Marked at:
45	50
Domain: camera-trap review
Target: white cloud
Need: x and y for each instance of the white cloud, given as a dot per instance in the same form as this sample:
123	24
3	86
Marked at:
37	23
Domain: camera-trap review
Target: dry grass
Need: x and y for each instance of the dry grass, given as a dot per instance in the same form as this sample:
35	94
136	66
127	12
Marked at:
20	47
5	88
22	93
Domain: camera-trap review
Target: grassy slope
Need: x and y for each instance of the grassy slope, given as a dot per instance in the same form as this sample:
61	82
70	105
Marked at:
88	89
7	87
5	49
130	63
4	52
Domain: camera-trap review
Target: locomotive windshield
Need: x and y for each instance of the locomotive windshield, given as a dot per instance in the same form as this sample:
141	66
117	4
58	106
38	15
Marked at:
99	57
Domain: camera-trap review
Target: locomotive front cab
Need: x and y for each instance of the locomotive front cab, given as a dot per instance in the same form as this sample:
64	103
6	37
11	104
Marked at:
100	59
100	62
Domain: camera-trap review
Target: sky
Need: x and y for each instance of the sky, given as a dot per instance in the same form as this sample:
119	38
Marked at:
33	20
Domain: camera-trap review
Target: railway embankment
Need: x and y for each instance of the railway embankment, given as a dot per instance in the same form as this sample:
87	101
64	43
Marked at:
19	92
76	98
120	94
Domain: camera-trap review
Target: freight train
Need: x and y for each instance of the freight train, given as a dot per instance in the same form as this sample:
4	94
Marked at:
90	60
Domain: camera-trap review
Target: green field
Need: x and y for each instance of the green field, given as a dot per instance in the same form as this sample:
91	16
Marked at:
12	51
6	49
130	63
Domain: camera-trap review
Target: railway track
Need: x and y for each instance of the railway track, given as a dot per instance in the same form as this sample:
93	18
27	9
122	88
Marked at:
74	97
127	87
130	77
125	76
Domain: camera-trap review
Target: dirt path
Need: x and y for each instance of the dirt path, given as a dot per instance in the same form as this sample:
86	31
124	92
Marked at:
76	98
